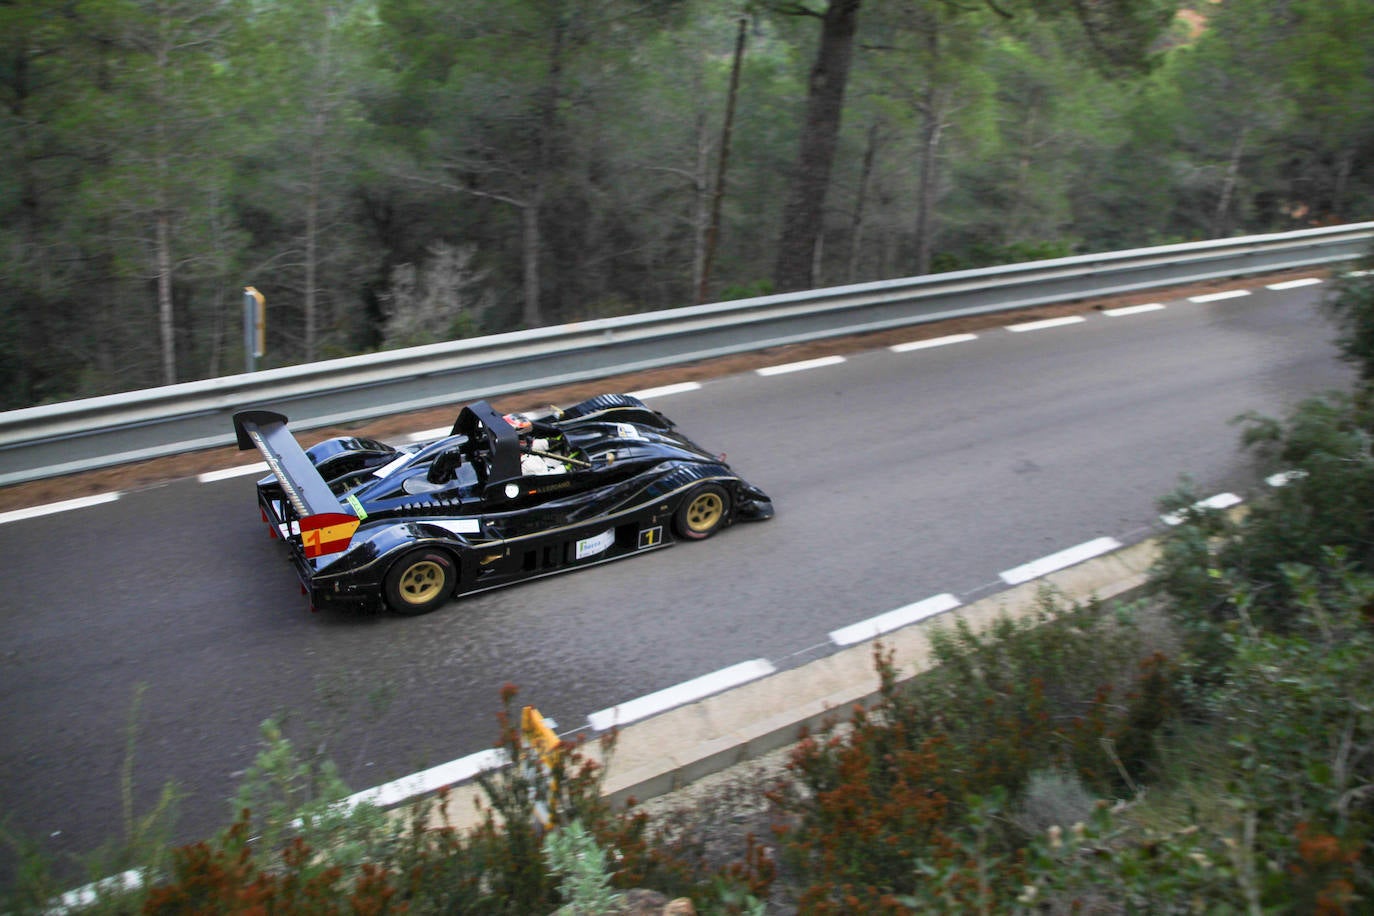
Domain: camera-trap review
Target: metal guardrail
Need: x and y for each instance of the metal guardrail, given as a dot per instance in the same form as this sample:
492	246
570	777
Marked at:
97	432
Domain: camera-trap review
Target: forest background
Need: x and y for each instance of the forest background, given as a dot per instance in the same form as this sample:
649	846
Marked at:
397	172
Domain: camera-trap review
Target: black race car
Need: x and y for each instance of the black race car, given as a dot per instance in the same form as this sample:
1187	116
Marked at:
502	498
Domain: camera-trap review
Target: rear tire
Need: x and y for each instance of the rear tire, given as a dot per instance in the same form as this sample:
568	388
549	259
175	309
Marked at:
419	582
702	513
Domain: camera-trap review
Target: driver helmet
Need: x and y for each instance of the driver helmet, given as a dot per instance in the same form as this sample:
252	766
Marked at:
519	422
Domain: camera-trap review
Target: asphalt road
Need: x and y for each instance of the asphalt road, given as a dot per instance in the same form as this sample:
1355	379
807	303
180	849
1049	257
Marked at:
170	618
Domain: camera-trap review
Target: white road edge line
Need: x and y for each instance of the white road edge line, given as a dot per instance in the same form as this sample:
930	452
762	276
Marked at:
1133	309
1294	284
681	694
1046	323
67	505
892	620
428	781
800	366
1061	560
1217	297
1220	501
665	390
242	470
89	894
932	342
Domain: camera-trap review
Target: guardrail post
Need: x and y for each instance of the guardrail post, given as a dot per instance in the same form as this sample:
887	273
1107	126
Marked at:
254	327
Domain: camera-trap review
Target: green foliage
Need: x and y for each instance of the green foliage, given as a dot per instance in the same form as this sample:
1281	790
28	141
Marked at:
546	838
747	290
285	798
572	854
983	255
1264	807
157	157
1351	305
1220	572
909	808
1289	831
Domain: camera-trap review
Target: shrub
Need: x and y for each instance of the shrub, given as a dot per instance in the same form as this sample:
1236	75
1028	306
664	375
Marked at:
304	853
1351	304
1219	572
913	805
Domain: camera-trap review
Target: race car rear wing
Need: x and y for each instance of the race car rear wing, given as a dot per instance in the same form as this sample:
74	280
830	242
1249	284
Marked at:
326	526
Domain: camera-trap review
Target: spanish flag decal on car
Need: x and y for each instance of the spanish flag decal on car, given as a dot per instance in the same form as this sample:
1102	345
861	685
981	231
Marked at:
326	533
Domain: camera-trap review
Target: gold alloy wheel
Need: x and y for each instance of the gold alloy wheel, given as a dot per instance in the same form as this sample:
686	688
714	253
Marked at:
421	582
704	512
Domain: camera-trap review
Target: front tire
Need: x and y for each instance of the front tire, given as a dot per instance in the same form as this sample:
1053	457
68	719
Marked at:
419	582
702	513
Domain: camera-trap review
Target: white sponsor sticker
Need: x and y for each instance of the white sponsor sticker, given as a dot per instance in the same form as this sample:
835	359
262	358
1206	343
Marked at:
386	469
461	525
590	547
626	431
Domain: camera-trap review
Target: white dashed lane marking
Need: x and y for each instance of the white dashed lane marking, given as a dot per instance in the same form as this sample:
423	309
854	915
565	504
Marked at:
666	390
67	505
1133	310
1061	560
1217	297
242	470
892	620
800	366
933	342
680	695
1220	501
1046	323
1294	284
428	781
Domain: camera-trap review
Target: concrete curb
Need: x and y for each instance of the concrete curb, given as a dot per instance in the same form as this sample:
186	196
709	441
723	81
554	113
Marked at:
663	753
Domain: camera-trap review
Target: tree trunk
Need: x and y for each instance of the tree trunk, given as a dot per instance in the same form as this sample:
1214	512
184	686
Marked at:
931	130
1020	195
856	220
531	317
162	218
1221	218
1345	165
312	231
804	211
701	205
530	214
165	324
713	228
